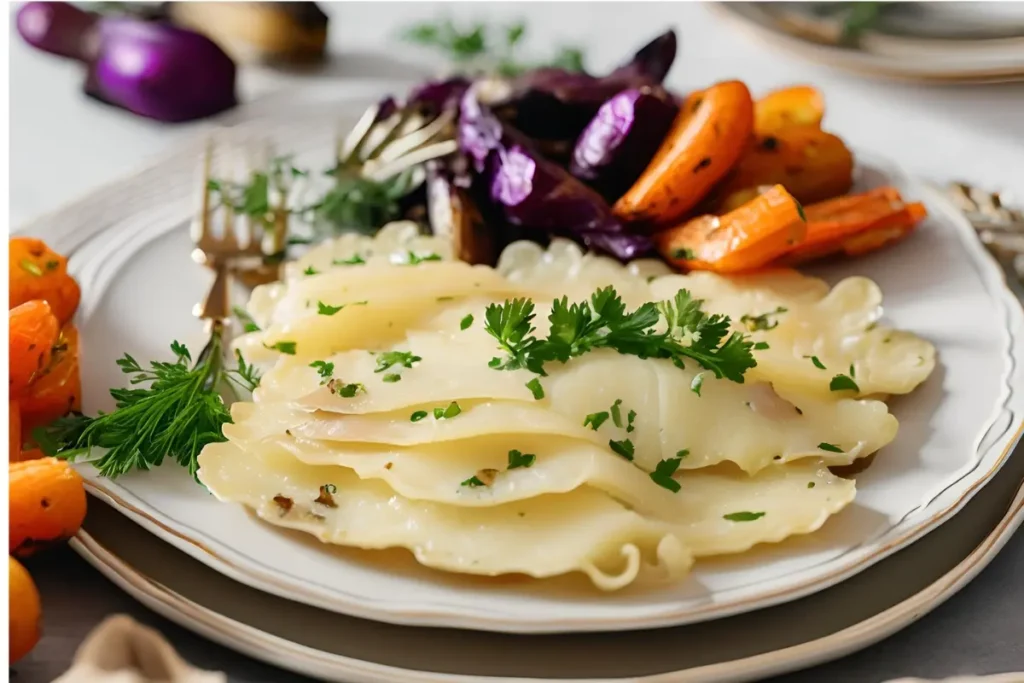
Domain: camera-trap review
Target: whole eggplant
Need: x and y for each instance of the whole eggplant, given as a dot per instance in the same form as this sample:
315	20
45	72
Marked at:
556	104
618	143
536	193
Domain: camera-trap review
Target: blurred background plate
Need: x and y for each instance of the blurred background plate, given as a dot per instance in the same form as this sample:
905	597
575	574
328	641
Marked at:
947	42
840	620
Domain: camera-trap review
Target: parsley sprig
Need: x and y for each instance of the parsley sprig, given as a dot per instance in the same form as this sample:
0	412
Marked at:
176	415
603	322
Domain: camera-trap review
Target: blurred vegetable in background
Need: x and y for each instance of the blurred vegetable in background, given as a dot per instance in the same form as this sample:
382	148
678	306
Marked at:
150	68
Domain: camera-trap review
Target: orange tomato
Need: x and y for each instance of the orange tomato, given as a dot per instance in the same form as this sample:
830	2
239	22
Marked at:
58	389
33	333
47	503
14	431
38	272
25	614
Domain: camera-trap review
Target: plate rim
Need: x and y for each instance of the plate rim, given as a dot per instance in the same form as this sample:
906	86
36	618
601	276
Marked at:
990	273
307	660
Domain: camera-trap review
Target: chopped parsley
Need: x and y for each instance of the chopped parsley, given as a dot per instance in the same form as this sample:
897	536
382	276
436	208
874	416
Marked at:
345	390
392	377
472	482
517	459
310	270
466	322
414	259
324	309
817	363
355	260
595	420
602	322
683	453
853	372
686	254
417	416
662	474
630	417
697	383
623	448
755	323
761	346
830	448
403	359
743	516
535	388
285	347
248	324
843	383
800	211
324	369
616	413
451	411
810	484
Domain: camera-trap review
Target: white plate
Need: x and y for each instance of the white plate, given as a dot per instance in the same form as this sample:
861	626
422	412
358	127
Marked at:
956	430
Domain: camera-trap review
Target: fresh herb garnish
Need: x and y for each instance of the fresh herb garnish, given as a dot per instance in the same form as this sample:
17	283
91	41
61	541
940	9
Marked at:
324	309
761	346
324	368
403	359
817	363
414	259
623	448
345	390
630	417
616	413
685	254
517	459
466	322
417	416
472	482
285	347
535	388
595	420
743	516
451	411
392	377
853	373
603	322
830	448
355	260
843	383
248	324
810	484
764	321
683	453
697	383
310	270
175	416
662	474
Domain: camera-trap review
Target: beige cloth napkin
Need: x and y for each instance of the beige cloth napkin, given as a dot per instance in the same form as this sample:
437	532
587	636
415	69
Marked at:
121	650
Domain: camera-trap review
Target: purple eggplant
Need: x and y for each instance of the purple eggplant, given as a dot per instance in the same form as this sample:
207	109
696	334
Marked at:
555	104
160	71
617	145
535	193
59	28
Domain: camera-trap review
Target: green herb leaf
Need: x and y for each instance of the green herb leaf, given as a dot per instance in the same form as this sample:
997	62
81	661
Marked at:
595	420
743	516
517	459
764	321
417	416
817	363
345	390
324	369
843	383
761	346
404	359
616	413
472	482
324	309
415	260
623	448
285	347
830	448
683	453
451	411
662	474
535	388
248	324
630	417
810	484
310	270
355	260
466	322
800	211
685	254
392	377
697	383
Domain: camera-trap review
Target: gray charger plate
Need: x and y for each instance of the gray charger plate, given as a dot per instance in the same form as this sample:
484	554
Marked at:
824	626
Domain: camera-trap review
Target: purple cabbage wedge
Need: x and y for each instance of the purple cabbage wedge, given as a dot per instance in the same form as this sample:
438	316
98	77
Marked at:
437	96
555	104
620	141
160	71
56	27
536	194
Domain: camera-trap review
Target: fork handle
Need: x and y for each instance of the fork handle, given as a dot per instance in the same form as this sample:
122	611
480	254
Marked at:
215	306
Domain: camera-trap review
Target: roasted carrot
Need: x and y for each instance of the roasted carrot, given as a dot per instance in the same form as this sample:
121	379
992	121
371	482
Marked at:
811	164
38	272
708	136
58	389
47	503
14	431
746	238
800	105
855	225
33	334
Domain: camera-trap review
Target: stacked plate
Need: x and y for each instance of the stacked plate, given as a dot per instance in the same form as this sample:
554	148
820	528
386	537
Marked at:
935	506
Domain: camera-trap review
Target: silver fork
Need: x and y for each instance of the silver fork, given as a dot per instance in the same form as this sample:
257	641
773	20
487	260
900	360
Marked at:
1000	226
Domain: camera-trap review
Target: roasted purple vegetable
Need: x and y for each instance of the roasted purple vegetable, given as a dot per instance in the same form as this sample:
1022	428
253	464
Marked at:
452	211
56	27
618	143
535	193
436	96
160	71
555	104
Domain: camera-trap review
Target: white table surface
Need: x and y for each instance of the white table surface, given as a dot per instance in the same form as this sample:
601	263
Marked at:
63	144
